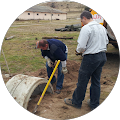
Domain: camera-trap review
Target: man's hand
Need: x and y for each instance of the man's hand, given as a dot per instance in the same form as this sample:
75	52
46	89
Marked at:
50	63
64	70
76	53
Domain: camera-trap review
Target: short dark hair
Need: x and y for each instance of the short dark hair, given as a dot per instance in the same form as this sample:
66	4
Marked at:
86	14
43	42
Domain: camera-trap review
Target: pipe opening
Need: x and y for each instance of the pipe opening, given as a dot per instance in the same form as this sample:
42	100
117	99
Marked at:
40	88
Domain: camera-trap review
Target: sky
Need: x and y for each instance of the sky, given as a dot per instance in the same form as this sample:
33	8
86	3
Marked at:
57	0
60	0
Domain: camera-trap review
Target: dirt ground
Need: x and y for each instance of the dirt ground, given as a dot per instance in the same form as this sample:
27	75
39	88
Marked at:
52	106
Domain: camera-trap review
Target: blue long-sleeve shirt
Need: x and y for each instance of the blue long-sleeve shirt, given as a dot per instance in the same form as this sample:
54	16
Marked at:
56	51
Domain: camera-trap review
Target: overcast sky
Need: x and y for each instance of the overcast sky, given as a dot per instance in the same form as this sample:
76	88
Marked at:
59	0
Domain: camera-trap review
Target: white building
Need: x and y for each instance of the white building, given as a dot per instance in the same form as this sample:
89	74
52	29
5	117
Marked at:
43	13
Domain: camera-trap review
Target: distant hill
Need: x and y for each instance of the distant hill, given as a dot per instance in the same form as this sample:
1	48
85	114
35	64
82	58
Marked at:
73	9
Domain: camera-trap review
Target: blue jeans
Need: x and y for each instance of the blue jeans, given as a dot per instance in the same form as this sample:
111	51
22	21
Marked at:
91	67
60	76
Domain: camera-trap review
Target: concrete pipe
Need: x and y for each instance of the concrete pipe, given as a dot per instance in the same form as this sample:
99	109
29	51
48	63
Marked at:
22	87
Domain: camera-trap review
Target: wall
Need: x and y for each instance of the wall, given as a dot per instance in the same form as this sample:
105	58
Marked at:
25	16
44	16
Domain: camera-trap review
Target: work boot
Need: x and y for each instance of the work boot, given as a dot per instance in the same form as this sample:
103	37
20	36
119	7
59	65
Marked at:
58	91
88	102
69	102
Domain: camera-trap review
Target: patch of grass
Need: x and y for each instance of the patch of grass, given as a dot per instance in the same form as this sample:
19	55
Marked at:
114	78
112	49
103	96
19	51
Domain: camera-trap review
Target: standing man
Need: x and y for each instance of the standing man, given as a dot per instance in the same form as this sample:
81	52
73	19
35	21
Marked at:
92	43
52	50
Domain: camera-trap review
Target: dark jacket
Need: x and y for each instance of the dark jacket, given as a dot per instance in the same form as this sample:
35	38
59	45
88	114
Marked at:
57	50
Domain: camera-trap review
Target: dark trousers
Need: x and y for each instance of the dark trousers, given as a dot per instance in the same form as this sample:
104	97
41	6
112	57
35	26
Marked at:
60	77
91	67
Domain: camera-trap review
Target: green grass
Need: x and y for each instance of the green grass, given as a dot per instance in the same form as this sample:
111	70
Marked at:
19	51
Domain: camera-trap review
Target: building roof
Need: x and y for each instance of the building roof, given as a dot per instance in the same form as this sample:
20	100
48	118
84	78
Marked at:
43	9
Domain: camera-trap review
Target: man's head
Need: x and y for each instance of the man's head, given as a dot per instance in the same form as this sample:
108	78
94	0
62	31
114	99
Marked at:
86	17
42	44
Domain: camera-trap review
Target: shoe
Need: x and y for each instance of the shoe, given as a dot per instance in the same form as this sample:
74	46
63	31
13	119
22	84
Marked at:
88	102
58	91
69	102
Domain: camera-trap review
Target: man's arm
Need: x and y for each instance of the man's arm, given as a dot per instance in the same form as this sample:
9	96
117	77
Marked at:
60	55
82	40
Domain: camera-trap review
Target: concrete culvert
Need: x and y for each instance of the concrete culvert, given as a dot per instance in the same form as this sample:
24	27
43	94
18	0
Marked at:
22	87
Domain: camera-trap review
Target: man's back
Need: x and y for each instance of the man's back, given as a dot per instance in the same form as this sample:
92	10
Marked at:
94	38
98	38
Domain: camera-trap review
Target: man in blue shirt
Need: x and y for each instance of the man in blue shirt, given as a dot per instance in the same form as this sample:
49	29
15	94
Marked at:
52	50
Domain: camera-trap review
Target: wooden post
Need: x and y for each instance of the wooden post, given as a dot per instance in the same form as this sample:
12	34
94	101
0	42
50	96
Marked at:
6	63
57	37
9	37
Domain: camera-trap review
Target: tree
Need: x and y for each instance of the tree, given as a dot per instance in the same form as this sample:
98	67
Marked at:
87	8
52	5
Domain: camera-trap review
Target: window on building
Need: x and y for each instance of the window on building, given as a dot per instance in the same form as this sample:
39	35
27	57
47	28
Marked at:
52	14
45	14
28	13
58	14
37	14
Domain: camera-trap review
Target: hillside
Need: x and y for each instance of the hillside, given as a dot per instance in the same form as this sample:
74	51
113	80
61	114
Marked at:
73	9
